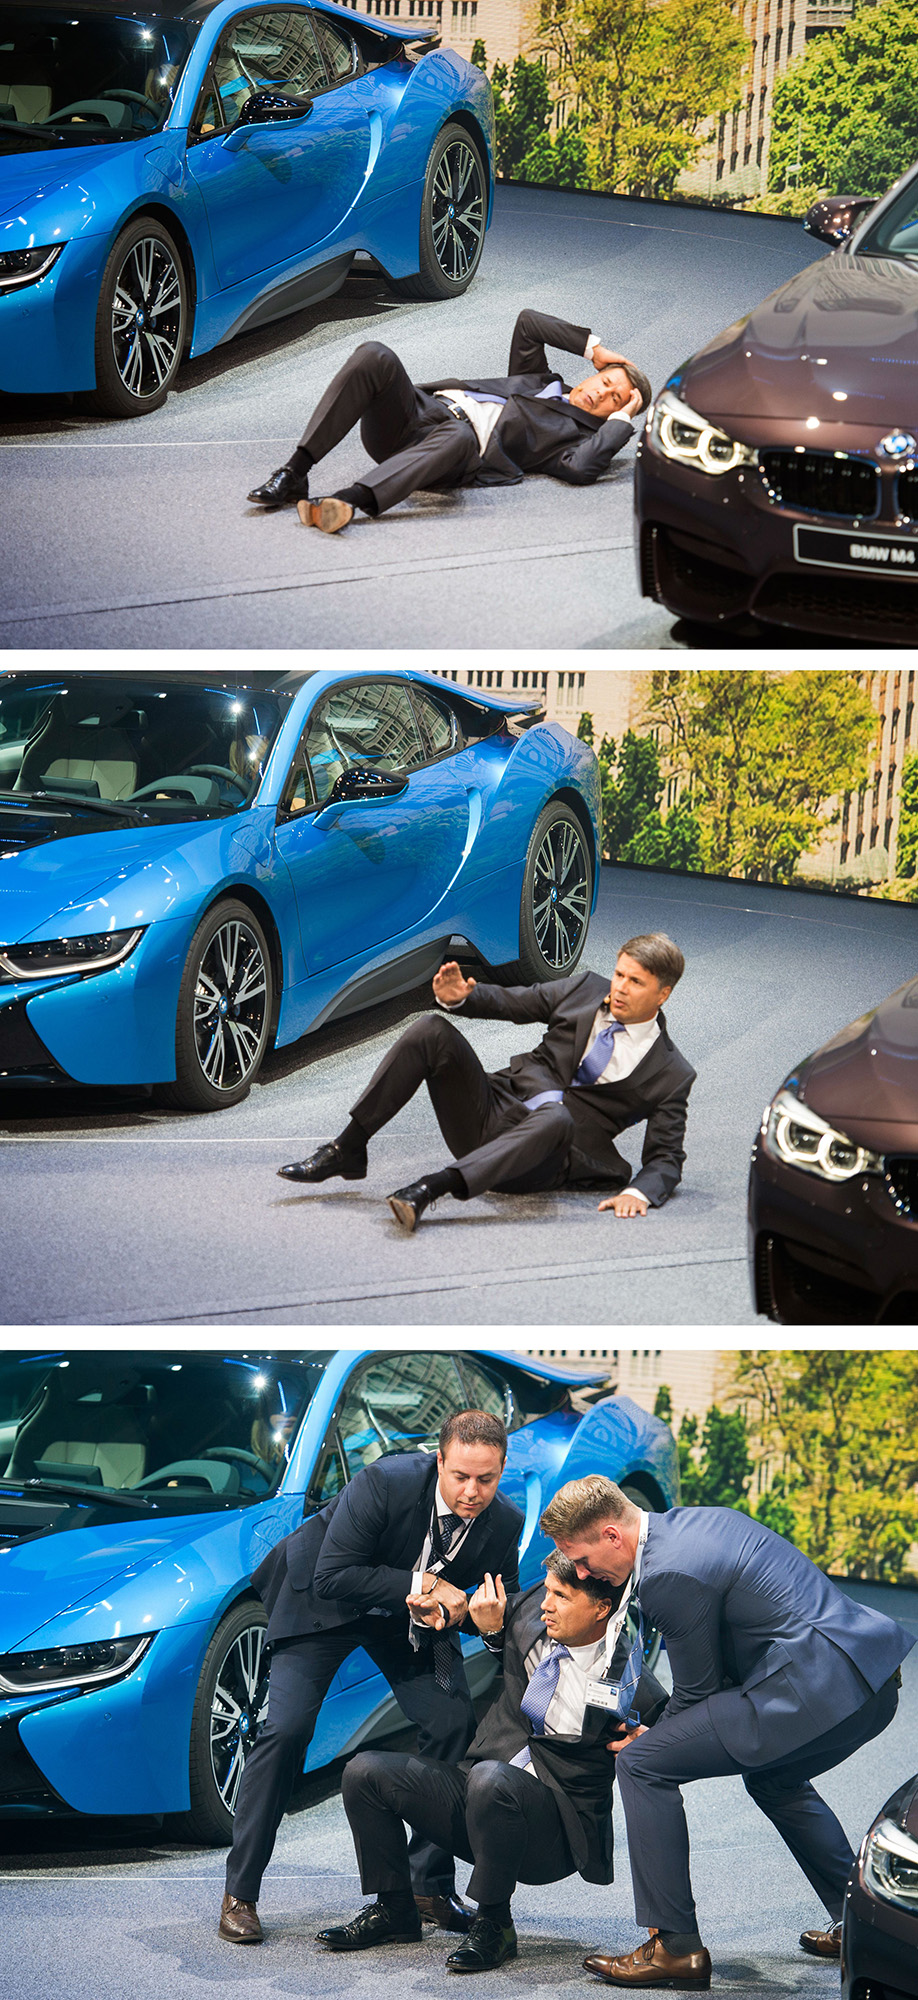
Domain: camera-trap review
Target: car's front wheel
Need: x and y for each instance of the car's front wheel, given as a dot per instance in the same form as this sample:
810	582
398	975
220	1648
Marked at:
454	212
229	1710
557	896
224	1014
141	321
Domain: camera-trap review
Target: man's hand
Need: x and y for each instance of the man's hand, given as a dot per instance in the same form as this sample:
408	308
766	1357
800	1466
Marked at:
439	1604
449	985
628	1203
633	405
627	1736
487	1607
604	357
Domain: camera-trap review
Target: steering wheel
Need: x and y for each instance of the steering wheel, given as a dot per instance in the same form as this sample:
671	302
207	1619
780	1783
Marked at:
133	97
238	1456
220	771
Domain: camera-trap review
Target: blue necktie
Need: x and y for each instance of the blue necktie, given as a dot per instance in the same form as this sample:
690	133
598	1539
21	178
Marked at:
590	1069
543	1687
625	1710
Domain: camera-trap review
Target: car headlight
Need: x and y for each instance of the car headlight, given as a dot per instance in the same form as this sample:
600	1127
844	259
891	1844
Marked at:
79	954
793	1133
890	1864
25	267
680	433
71	1666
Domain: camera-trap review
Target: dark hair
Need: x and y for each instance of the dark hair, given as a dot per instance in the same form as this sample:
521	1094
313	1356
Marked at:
638	380
473	1427
657	954
597	1587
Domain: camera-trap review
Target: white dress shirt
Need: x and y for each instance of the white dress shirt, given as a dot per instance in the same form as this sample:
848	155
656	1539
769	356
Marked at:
630	1047
484	412
443	1508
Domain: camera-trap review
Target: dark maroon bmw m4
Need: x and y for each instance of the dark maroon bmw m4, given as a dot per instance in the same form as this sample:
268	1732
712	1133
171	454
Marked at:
777	479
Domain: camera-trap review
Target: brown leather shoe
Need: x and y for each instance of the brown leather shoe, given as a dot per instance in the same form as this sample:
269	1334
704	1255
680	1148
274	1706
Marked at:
239	1922
653	1965
448	1911
823	1944
330	515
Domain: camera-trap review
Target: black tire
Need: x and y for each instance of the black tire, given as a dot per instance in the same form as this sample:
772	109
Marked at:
234	1677
557	896
454	212
224	1014
141	321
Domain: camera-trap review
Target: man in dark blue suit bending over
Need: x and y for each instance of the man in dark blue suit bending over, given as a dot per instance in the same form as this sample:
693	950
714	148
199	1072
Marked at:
388	1565
777	1675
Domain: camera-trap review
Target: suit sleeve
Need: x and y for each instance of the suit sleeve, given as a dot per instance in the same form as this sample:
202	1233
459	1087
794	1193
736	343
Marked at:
690	1623
533	332
350	1562
517	1003
581	464
663	1153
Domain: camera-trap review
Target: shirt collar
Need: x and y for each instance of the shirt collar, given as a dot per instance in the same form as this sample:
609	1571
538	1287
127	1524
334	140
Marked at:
636	1031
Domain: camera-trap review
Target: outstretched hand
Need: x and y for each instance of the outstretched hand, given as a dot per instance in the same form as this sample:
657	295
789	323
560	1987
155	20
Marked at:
450	986
628	1203
487	1607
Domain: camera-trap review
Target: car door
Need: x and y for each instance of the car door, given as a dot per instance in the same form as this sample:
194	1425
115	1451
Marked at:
364	872
274	191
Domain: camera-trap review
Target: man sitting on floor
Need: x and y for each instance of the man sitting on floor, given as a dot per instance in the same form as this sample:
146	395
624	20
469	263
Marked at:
532	1799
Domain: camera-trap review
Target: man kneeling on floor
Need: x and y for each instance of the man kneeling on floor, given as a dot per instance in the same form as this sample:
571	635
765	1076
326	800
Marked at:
532	1799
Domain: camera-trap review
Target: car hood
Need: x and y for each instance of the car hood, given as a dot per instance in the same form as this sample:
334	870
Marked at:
845	327
23	175
866	1078
66	866
63	1563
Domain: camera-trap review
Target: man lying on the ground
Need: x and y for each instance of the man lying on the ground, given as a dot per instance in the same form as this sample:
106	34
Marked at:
453	433
531	1801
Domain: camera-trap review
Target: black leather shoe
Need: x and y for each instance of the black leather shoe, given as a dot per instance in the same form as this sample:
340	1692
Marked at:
324	1165
448	1911
281	490
488	1944
372	1925
408	1204
823	1944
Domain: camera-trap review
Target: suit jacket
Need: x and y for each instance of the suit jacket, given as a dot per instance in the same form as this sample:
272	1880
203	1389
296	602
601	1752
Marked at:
579	1770
753	1628
542	435
360	1552
657	1090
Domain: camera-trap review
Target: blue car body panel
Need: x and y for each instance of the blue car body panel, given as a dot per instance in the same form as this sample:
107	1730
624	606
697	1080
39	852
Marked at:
343	901
237	204
123	1748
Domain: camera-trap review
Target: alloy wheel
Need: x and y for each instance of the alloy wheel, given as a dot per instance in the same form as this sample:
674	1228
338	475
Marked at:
230	1006
238	1710
147	318
560	894
457	214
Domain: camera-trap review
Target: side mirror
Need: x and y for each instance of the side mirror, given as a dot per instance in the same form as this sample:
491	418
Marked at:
364	786
836	218
268	107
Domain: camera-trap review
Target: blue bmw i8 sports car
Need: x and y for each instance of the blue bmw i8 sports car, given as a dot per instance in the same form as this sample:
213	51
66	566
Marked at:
170	177
138	1493
195	868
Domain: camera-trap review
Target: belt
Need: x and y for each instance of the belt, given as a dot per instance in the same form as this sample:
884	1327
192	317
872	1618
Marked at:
462	416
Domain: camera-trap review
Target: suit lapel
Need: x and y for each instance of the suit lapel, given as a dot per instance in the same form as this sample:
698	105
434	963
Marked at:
418	1521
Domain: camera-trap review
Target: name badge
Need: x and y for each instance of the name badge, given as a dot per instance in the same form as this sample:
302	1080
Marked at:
603	1694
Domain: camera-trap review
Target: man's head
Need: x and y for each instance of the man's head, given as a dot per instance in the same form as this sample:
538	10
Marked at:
647	970
473	1448
575	1610
615	388
595	1526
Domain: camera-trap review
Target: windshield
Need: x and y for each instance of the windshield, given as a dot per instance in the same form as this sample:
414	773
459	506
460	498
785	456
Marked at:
86	79
896	233
194	1429
160	743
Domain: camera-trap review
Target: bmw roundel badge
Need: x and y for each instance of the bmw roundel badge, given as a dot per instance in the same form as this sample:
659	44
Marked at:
898	444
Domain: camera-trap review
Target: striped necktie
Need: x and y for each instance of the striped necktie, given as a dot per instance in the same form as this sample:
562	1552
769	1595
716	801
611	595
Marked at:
590	1069
445	1527
543	1687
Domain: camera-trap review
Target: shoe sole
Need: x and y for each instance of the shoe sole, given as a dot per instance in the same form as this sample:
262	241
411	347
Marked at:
395	1937
330	516
232	1937
407	1216
314	1180
502	1960
673	1985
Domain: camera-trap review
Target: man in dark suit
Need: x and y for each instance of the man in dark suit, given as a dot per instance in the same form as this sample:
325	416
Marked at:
551	1118
777	1675
532	1799
387	1565
452	433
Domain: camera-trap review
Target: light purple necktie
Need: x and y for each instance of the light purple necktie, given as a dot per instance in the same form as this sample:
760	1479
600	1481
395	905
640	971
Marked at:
590	1069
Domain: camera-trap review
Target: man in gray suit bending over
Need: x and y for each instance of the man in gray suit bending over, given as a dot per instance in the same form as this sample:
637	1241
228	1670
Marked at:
550	1119
531	1801
777	1675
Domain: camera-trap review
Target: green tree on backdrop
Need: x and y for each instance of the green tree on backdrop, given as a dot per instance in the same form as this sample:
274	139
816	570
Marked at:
844	1425
524	149
646	77
907	846
714	1466
585	727
765	752
634	832
845	114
